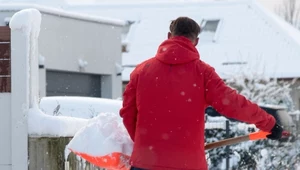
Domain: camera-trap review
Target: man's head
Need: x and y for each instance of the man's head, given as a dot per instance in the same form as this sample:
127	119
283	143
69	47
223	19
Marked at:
184	26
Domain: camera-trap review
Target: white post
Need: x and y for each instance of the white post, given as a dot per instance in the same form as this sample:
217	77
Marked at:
24	77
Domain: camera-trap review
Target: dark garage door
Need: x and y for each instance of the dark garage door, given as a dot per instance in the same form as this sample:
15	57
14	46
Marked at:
72	84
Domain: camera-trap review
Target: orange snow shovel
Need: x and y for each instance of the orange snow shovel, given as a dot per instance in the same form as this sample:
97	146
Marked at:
120	161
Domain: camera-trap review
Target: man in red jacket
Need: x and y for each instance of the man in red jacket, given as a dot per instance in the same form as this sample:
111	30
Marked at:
165	100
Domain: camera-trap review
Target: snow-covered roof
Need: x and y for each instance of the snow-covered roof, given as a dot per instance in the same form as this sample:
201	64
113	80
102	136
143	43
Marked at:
248	37
48	2
61	12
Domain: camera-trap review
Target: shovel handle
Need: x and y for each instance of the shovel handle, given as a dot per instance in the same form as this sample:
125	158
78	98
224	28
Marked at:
252	136
225	142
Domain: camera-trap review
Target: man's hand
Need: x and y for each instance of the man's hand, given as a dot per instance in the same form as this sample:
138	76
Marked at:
276	132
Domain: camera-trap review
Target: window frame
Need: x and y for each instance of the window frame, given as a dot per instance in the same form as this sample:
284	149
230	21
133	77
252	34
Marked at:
218	29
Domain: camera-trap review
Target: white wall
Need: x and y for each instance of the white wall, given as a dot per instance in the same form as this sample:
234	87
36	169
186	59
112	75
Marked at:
5	131
74	39
67	40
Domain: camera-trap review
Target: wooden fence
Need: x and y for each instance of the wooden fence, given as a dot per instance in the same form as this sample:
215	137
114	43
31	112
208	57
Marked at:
48	153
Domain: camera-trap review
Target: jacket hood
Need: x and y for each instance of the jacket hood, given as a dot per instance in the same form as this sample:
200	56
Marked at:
177	50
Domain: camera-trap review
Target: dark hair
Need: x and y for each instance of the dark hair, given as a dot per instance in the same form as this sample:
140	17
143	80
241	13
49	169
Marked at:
185	26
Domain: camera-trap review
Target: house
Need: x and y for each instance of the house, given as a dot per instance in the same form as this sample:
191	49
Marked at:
80	55
238	35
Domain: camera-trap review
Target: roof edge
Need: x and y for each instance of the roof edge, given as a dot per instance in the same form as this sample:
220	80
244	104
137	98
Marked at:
161	3
62	12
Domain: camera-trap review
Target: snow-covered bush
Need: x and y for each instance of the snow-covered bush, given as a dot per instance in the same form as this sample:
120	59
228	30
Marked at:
251	155
262	89
262	154
238	156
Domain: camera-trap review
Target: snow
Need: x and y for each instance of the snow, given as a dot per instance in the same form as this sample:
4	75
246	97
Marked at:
73	114
27	20
262	90
27	23
143	2
102	132
79	107
105	134
61	12
45	2
215	125
260	40
40	124
292	32
82	63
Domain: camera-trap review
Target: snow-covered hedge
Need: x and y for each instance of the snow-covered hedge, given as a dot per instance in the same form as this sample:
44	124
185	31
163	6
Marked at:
262	154
261	89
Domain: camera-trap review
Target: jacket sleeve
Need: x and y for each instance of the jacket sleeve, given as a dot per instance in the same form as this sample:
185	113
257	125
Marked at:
129	109
233	105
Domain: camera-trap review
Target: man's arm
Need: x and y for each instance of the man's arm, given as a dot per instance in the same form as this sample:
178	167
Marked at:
233	105
129	110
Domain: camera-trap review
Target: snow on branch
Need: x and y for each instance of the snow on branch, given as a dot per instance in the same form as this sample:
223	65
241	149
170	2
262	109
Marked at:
261	89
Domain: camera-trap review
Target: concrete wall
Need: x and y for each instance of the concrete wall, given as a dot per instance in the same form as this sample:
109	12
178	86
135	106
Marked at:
64	40
49	154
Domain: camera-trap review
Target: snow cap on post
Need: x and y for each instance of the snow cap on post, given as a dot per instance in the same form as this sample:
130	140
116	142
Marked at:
27	20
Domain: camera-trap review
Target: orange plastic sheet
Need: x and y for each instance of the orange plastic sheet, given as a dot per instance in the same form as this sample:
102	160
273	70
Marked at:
113	161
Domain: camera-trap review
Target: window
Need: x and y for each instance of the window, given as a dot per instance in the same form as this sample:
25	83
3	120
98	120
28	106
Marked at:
209	29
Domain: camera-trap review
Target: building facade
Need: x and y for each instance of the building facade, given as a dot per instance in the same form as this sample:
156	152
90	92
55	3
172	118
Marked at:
79	55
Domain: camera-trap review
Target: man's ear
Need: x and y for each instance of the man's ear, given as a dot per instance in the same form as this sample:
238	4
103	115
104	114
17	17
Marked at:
169	35
196	42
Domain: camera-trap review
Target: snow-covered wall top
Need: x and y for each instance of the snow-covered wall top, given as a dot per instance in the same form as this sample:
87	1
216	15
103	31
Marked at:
80	107
61	12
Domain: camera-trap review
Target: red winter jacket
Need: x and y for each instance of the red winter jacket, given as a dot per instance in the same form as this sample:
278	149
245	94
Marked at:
164	105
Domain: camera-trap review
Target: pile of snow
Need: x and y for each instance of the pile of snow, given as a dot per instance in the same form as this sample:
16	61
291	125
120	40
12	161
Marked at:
40	124
80	107
103	135
65	116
